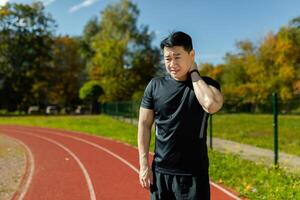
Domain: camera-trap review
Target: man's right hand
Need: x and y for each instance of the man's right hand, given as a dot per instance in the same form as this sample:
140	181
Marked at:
146	177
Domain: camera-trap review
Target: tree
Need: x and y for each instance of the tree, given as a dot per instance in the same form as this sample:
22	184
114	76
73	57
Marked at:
250	75
295	23
243	78
124	59
253	73
279	54
294	27
215	72
91	92
65	75
90	30
25	39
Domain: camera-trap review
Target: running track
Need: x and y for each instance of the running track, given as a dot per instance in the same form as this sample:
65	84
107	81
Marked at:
68	165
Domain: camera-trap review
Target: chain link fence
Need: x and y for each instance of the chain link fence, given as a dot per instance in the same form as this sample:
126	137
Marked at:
130	109
124	110
254	124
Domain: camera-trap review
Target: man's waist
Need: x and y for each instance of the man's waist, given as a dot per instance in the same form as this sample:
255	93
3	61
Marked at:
189	169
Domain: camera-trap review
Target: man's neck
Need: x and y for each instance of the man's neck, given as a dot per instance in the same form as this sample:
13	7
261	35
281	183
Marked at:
183	78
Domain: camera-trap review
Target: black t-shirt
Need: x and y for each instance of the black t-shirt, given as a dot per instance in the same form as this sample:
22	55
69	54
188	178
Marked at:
181	125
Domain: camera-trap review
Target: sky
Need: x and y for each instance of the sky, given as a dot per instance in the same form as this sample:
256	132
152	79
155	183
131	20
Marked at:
214	25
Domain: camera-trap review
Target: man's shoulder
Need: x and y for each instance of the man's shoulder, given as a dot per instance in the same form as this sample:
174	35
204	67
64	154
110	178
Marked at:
211	81
160	79
207	78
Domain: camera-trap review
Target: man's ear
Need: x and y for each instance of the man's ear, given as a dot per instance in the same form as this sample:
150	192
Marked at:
192	54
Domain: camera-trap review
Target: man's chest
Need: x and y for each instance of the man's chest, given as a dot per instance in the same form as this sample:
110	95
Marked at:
168	101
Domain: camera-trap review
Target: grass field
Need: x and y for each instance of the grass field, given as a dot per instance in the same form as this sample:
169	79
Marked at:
249	179
257	130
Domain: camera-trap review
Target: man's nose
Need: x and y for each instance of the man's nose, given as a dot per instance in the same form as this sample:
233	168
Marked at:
173	63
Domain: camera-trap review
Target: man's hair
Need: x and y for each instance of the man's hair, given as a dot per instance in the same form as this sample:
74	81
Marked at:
178	39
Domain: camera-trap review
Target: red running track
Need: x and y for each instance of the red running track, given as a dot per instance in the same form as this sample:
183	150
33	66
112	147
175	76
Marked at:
67	165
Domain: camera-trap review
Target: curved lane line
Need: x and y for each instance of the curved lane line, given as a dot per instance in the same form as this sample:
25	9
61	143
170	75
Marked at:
125	161
23	188
31	171
86	175
96	146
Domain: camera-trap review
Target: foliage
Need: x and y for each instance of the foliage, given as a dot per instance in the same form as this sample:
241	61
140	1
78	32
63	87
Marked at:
215	72
25	39
37	67
124	60
65	74
90	30
250	75
90	90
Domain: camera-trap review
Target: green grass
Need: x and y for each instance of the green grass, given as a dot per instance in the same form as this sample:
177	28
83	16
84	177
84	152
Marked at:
257	130
252	180
247	178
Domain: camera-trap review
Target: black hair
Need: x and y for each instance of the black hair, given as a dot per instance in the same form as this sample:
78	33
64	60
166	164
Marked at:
178	39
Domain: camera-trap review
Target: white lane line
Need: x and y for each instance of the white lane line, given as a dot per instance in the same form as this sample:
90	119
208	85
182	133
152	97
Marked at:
120	158
96	146
225	191
24	187
31	171
86	174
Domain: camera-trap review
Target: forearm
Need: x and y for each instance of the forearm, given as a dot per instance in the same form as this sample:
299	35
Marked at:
144	136
209	97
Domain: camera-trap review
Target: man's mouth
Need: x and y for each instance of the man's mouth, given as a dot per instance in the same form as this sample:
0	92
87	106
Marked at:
174	71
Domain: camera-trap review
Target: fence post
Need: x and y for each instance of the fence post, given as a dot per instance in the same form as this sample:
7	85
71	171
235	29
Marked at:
117	110
275	126
102	109
210	131
132	112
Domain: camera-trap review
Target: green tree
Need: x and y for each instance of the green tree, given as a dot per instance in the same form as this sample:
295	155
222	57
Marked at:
25	39
66	74
91	92
90	30
124	59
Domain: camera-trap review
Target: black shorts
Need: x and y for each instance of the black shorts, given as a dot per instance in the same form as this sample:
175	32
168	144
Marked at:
180	187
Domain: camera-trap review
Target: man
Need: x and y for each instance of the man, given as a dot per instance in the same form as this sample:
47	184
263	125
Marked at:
179	103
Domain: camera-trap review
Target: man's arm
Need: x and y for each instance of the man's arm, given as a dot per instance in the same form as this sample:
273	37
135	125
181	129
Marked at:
146	118
208	96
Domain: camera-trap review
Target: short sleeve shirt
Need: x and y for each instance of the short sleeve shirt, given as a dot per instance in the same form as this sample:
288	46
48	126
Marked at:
181	125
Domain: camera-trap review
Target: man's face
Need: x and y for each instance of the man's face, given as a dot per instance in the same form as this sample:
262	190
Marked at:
178	62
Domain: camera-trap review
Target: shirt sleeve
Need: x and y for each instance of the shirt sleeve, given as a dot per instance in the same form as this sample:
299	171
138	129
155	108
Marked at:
211	82
147	100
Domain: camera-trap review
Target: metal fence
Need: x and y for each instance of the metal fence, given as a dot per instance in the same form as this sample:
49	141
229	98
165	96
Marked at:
127	111
130	109
247	121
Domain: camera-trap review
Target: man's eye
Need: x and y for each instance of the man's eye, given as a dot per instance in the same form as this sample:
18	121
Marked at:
168	59
177	58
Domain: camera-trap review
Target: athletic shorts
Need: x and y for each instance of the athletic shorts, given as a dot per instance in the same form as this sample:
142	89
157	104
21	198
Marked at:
180	187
